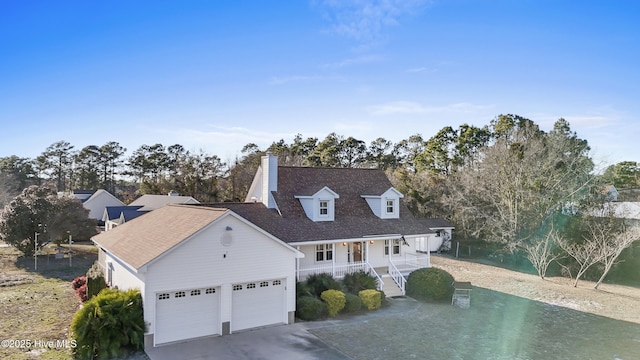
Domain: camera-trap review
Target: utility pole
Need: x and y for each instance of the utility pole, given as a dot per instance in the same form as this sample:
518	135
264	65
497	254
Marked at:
35	252
70	242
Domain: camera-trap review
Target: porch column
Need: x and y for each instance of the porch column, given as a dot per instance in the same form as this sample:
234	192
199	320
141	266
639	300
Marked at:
298	265
365	256
333	259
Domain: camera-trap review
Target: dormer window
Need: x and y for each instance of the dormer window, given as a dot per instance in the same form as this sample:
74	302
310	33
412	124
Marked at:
319	206
385	205
391	206
324	208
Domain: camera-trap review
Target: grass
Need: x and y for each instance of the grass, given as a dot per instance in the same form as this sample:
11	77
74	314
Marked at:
497	326
38	306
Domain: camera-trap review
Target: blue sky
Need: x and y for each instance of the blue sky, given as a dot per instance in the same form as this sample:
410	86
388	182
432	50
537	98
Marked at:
216	75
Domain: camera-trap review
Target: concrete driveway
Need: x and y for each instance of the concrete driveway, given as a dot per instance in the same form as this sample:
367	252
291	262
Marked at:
278	342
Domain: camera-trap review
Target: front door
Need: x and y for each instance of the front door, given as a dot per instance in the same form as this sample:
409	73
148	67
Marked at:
357	252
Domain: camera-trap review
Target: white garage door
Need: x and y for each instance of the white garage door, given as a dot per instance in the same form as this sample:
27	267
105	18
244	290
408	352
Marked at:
186	314
258	304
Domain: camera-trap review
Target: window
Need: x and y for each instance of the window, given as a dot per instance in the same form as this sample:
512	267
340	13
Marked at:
251	286
395	247
163	296
324	208
195	292
180	294
276	282
390	206
264	284
324	252
210	291
237	287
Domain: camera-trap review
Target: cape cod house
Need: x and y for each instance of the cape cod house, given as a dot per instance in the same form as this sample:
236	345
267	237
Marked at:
343	220
215	269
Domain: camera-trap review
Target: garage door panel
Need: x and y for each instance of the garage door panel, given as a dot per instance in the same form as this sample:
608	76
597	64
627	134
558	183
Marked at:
258	304
186	314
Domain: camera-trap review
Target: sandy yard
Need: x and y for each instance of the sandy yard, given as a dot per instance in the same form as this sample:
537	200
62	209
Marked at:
613	301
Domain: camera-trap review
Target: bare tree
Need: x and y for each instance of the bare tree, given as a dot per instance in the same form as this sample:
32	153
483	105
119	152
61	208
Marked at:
603	241
586	254
542	253
612	245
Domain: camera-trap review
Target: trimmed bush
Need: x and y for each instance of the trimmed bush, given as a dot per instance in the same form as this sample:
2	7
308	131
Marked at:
317	283
310	308
430	284
359	280
335	301
95	280
352	303
371	299
110	325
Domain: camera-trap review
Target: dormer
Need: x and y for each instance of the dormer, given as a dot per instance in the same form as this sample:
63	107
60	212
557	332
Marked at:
320	206
387	205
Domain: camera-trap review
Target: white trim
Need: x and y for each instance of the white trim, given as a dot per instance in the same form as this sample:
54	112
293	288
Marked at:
364	238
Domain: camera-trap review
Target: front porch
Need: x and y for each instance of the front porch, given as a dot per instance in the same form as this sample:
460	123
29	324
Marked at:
396	269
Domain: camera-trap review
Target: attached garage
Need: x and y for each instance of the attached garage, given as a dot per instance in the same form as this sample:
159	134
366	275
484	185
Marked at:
257	304
187	314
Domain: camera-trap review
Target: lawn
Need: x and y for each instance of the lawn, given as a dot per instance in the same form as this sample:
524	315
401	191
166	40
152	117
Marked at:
36	307
497	326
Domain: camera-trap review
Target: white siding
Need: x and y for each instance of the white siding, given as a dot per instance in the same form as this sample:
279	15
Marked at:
122	276
99	202
203	261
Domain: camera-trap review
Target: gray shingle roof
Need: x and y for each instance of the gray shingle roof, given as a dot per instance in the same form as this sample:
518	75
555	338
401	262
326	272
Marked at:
353	216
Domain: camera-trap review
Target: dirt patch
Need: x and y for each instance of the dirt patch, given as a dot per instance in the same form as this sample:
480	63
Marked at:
36	307
613	301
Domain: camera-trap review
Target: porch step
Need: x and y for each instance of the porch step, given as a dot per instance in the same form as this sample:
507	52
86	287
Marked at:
390	287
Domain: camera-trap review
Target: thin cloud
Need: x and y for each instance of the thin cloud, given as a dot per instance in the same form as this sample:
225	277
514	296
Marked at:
353	61
280	80
366	20
417	70
410	107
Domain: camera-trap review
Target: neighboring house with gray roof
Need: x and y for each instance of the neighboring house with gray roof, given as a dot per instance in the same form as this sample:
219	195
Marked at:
117	215
152	202
114	216
96	201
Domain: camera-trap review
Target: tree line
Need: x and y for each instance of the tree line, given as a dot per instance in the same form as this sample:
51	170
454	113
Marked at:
507	182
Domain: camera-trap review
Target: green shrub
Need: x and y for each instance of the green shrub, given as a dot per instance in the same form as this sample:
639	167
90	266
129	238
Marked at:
317	283
302	289
359	280
335	301
109	325
310	308
371	299
352	303
95	280
430	284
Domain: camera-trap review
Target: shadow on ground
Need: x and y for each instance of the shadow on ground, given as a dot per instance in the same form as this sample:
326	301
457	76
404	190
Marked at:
497	326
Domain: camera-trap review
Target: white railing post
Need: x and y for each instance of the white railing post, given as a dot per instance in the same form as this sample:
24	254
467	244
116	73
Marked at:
397	276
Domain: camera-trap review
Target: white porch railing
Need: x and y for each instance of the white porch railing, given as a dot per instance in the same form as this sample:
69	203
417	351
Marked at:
339	271
400	267
411	262
397	276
